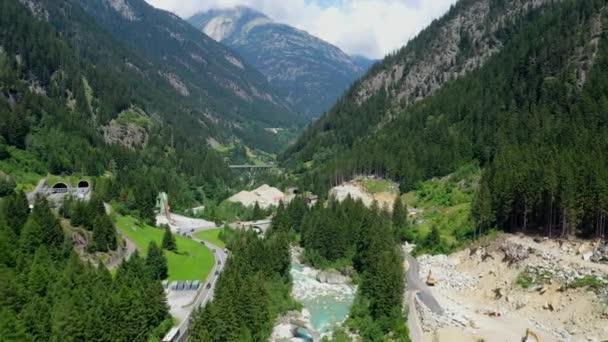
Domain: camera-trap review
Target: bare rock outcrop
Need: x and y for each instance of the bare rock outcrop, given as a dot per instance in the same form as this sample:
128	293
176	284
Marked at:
462	42
129	135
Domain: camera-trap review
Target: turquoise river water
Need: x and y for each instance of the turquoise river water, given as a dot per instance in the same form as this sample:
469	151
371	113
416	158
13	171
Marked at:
328	305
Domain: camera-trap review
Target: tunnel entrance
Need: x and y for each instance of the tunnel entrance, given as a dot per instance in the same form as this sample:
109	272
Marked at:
83	184
59	188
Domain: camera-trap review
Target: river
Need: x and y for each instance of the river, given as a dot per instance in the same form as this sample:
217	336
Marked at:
327	304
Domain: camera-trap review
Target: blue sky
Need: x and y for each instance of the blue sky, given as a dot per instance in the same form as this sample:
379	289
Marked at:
372	28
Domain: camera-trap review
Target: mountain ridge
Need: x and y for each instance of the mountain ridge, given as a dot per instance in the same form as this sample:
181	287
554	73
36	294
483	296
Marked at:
197	68
526	101
311	72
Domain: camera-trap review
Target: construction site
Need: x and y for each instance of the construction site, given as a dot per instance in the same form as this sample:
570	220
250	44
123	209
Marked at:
512	288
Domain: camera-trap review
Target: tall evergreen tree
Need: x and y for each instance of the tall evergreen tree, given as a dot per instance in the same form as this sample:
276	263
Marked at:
15	210
169	241
157	262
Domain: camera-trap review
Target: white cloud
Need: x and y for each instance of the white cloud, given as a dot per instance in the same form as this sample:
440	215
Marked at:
371	28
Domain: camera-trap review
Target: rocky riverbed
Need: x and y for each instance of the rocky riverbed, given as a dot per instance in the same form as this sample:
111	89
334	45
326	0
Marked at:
326	296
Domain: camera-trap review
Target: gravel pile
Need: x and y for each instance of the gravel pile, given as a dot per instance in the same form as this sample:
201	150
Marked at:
445	273
343	191
431	321
265	196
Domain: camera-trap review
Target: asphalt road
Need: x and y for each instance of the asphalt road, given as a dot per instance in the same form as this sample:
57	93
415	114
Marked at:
414	283
191	226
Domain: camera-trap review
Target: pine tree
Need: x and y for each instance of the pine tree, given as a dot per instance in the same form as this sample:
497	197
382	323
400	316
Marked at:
15	211
433	239
104	234
400	221
399	213
169	241
482	209
157	262
257	213
31	237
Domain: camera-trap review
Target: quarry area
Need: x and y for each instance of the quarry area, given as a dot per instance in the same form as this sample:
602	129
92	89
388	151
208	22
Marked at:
502	288
265	196
368	189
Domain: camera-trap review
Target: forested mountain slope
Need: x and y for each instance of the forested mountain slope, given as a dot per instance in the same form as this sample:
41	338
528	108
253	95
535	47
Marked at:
48	294
461	41
310	73
211	78
532	111
75	100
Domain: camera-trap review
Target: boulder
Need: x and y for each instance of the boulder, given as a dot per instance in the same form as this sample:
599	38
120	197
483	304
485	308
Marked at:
600	253
331	277
347	271
515	253
587	256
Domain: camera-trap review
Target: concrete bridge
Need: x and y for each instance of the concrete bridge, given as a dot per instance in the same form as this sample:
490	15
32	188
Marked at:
251	166
261	226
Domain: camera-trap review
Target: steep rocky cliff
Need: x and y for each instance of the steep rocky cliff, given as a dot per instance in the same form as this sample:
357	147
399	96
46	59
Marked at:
451	47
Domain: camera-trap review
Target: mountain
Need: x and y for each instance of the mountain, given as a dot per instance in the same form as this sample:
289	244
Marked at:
199	69
363	62
74	99
518	87
311	73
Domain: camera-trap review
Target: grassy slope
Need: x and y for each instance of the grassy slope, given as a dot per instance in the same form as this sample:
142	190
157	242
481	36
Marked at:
193	260
377	185
212	236
445	203
69	180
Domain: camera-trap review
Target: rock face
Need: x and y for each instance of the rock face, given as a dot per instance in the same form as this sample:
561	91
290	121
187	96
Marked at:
600	253
332	277
126	134
311	72
460	42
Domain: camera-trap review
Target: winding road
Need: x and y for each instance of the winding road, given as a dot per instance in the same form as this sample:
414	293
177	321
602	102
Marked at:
190	226
416	287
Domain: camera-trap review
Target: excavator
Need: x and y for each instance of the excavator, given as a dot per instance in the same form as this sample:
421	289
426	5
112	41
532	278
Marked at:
429	280
531	336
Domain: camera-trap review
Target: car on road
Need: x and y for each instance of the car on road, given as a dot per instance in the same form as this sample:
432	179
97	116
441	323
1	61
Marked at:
208	285
203	243
213	250
219	262
226	250
217	272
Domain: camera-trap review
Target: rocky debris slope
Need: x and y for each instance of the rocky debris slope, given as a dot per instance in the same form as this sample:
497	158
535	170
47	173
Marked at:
498	289
465	39
356	190
444	271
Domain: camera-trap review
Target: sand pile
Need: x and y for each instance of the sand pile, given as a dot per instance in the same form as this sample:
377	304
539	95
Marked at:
265	196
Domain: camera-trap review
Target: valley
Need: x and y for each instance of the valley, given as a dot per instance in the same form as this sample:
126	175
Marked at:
223	175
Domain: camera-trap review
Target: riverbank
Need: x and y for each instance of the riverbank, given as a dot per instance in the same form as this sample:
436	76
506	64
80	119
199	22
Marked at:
325	296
